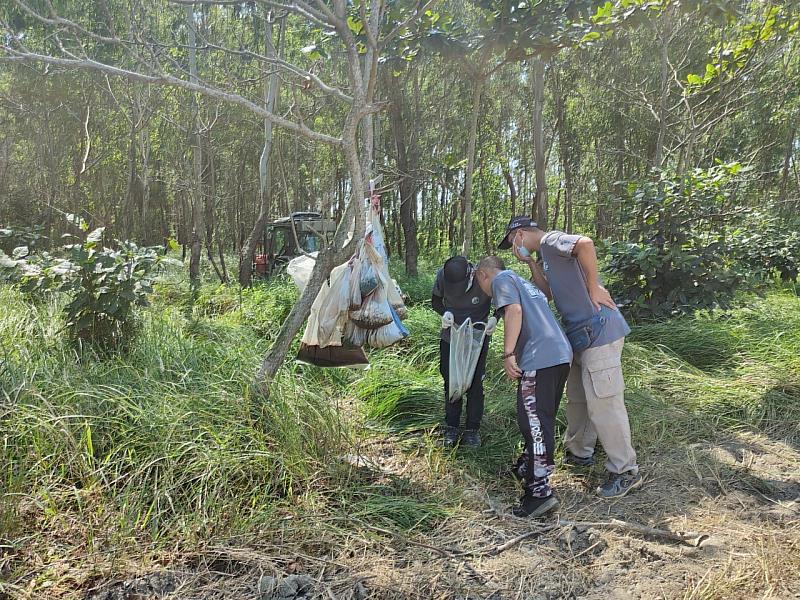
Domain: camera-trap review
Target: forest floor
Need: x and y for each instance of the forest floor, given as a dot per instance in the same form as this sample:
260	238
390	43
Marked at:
379	509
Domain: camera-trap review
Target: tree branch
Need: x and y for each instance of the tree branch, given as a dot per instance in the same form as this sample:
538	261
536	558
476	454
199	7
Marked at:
169	80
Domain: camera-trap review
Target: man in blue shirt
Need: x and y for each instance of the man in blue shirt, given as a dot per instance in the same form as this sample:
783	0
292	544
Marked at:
596	330
537	353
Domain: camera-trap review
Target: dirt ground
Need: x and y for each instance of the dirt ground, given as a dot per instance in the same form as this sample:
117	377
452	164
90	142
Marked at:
735	500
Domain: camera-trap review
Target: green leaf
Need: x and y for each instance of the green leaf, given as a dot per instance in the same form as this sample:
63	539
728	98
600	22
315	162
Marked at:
20	252
355	25
590	37
172	244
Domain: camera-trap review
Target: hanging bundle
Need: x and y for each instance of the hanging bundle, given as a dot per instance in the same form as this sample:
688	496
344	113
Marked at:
359	305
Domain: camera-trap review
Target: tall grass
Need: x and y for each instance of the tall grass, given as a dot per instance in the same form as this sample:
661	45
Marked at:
168	442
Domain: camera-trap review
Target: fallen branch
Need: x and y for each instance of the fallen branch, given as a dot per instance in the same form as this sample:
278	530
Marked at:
688	537
520	538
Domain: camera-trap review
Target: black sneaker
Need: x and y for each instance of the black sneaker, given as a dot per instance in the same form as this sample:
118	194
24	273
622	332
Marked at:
619	484
570	460
450	438
471	438
531	506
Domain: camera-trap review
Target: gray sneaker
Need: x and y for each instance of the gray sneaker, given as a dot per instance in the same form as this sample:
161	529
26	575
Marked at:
571	460
471	438
619	484
450	438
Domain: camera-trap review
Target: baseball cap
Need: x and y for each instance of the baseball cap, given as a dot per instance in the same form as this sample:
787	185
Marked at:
514	224
456	269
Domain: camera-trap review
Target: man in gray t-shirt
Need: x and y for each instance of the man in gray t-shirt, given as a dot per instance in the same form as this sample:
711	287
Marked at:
537	353
597	330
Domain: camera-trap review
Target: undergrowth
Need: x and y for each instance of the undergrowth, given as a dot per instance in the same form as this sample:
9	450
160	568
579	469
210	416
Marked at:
168	442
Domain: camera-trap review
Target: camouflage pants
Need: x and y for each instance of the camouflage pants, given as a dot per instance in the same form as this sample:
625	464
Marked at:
538	397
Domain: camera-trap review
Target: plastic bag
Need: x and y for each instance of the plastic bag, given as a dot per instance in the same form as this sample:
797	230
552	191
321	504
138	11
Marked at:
466	342
354	334
375	311
299	269
355	284
330	309
388	334
333	357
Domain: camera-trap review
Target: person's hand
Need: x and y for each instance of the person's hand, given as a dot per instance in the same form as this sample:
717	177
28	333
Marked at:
515	246
600	297
512	369
491	325
447	320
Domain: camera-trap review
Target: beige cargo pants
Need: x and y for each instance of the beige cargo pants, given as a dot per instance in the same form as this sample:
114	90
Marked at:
596	407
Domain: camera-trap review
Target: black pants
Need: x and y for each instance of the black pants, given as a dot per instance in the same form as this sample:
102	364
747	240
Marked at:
538	397
452	410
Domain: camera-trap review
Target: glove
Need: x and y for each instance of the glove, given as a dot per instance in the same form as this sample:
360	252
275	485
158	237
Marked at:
491	325
447	320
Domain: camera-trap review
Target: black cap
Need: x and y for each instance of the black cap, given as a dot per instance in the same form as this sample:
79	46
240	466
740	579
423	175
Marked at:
456	269
456	276
514	224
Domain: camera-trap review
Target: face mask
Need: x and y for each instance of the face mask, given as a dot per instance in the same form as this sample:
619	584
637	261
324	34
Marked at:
523	251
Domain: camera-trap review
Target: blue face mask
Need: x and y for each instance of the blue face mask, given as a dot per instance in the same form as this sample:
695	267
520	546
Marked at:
523	252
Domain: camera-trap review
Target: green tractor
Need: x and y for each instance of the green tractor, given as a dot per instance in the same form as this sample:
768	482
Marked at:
290	237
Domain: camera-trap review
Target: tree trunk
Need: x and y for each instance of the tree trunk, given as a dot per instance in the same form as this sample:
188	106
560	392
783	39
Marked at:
477	92
512	190
565	145
787	161
407	166
197	157
537	80
658	154
265	179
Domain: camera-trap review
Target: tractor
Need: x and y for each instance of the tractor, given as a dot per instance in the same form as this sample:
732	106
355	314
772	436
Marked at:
289	237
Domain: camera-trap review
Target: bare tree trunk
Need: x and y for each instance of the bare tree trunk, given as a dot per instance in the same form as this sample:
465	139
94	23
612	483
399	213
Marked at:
787	161
658	154
477	93
264	167
564	149
537	81
197	157
407	165
512	190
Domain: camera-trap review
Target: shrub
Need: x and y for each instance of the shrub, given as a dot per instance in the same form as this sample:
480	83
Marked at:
677	258
103	284
768	248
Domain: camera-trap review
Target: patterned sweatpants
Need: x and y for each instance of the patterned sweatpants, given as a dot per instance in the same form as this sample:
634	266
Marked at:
538	397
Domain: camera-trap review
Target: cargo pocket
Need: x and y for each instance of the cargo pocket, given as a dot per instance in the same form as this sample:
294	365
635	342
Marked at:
606	376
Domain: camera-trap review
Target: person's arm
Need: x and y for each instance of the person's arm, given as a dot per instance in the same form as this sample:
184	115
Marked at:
512	315
586	255
437	304
437	295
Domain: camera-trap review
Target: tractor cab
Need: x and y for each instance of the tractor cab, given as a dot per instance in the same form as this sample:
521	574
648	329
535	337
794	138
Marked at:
290	237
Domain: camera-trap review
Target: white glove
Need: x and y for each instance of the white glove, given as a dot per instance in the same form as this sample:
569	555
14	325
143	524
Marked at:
491	325
447	320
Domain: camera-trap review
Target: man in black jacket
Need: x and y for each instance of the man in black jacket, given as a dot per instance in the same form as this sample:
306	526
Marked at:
457	297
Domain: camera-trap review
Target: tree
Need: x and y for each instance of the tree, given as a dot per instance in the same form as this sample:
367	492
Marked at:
356	28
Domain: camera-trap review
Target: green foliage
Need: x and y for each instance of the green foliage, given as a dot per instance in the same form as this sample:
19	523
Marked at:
30	237
768	248
103	285
676	259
